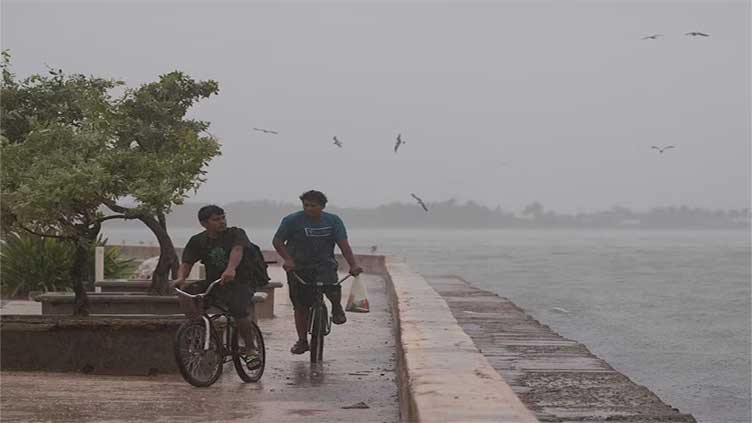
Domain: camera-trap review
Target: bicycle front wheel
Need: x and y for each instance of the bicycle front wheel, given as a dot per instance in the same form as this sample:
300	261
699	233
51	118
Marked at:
249	368
199	366
318	331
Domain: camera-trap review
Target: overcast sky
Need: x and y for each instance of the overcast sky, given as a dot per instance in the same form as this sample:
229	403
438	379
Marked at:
499	102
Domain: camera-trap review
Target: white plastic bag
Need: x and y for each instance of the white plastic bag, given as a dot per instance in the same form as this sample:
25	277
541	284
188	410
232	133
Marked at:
358	299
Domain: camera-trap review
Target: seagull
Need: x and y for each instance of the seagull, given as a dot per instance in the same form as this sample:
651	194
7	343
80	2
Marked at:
661	150
398	143
422	204
696	34
266	131
652	37
337	142
374	248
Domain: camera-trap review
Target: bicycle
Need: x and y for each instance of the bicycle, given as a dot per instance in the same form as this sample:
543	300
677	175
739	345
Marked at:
319	322
202	350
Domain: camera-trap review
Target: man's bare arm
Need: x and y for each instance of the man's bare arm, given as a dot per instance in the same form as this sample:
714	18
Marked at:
344	246
236	255
183	271
279	245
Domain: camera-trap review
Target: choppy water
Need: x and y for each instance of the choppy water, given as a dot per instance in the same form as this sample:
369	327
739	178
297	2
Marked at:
670	309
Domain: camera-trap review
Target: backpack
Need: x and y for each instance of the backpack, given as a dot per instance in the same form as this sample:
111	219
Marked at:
259	274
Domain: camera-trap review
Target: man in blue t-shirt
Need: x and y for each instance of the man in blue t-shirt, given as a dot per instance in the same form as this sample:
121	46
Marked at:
305	240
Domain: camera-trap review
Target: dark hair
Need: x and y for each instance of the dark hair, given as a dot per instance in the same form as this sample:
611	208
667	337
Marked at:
315	196
204	213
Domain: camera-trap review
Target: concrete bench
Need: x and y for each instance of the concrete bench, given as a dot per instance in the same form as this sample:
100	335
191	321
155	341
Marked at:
264	310
123	303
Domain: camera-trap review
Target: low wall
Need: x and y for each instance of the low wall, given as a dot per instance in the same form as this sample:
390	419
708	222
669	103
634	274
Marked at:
443	375
112	345
369	263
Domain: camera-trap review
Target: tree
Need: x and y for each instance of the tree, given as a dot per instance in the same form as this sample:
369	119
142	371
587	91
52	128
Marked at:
534	209
54	132
51	186
68	149
162	156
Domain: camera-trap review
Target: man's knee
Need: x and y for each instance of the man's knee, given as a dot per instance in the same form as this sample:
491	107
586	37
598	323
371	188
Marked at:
239	311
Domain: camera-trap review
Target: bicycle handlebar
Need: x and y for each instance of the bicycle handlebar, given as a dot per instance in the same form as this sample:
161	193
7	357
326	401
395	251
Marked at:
320	283
201	295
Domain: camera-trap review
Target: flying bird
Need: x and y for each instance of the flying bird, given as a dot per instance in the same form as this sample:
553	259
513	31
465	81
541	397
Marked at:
337	142
398	143
661	150
652	37
266	131
422	204
696	34
374	248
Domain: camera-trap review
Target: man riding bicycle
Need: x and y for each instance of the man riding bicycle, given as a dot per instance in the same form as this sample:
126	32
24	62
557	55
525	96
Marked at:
229	255
305	240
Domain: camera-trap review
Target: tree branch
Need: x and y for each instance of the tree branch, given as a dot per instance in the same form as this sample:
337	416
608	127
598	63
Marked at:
46	235
115	216
120	209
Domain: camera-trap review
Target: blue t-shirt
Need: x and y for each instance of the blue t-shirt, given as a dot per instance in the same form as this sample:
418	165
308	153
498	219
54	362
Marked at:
310	243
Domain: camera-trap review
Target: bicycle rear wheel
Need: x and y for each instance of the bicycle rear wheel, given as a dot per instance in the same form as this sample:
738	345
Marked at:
247	369
318	331
199	366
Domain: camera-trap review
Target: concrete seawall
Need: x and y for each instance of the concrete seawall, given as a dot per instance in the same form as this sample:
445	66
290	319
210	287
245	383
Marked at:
444	378
557	378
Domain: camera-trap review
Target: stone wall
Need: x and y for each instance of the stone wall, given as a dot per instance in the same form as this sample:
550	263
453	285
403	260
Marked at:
101	345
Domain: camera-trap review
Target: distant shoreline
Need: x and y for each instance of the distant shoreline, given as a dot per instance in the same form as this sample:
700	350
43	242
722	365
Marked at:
452	215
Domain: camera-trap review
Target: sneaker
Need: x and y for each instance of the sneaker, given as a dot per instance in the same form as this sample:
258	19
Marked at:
252	360
338	316
300	347
251	357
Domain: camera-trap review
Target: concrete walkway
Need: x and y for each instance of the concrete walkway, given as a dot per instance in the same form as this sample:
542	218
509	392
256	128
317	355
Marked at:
557	378
359	366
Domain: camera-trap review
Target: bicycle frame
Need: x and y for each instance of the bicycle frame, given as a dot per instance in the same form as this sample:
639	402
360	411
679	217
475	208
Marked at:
204	316
319	300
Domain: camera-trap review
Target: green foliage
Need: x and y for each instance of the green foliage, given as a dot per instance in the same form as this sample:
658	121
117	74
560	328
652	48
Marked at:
29	263
56	129
52	179
32	263
69	150
165	153
115	266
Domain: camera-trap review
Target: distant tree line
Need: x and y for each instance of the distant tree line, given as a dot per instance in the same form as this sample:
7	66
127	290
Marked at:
452	214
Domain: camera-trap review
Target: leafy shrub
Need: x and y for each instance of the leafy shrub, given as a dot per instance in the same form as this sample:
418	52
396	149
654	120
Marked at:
31	263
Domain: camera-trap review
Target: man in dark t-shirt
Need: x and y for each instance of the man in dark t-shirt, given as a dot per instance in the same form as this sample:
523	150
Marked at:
305	240
227	254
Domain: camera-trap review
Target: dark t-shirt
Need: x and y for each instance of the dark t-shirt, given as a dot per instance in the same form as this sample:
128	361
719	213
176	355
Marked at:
214	253
311	244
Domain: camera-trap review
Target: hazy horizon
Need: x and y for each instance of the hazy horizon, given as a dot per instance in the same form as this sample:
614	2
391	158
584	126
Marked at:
503	103
296	203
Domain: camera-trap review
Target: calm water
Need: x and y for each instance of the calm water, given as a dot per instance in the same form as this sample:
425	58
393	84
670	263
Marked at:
670	309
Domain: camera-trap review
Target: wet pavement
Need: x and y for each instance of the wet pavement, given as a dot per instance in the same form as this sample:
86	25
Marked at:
358	371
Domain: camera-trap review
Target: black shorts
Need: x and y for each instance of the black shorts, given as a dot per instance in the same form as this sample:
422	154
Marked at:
235	295
303	295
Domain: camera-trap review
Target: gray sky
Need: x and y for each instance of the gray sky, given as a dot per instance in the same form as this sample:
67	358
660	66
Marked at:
500	102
